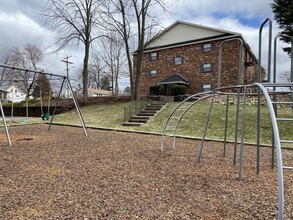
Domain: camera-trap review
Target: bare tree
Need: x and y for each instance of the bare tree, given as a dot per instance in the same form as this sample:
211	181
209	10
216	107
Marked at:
286	76
6	58
121	15
28	58
96	70
113	58
73	22
117	16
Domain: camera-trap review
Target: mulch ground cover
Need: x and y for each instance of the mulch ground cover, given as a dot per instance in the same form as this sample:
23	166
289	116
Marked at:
62	174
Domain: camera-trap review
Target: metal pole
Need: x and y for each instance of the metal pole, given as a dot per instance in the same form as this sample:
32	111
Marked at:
242	136
5	125
278	151
292	70
274	88
77	107
258	93
32	71
236	126
55	107
206	128
226	126
240	60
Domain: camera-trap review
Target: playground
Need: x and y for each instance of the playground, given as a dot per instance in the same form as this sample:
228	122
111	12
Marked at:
119	175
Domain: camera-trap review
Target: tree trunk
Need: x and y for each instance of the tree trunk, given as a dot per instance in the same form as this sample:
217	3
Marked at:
85	73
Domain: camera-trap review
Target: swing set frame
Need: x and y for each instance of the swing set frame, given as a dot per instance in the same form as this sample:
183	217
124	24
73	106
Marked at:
65	80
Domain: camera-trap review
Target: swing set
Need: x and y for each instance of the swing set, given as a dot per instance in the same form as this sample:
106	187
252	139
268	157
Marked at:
45	115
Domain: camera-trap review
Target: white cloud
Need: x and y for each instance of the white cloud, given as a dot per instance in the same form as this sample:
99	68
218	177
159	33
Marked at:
18	29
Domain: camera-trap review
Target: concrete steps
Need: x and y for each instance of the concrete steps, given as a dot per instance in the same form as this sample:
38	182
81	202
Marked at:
144	115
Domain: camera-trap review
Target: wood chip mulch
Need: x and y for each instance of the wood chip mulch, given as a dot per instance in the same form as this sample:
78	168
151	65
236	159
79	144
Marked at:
62	174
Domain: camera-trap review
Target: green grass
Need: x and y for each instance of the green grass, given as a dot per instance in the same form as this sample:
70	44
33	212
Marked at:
192	124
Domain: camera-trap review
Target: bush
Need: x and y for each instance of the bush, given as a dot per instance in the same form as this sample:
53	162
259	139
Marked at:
178	90
157	90
180	98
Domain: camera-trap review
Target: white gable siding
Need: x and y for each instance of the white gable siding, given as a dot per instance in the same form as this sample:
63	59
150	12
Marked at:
182	32
15	95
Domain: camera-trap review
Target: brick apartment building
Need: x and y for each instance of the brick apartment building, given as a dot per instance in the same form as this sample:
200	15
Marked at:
186	53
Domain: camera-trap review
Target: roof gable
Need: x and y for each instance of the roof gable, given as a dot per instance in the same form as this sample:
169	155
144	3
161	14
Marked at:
180	32
176	78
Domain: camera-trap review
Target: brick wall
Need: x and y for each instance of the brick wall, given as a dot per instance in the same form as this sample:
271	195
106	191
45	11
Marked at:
191	68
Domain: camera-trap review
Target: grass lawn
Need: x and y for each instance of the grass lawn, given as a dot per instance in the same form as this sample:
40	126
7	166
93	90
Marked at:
192	124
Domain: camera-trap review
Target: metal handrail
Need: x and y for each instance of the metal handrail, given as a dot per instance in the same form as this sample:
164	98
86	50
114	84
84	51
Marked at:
134	107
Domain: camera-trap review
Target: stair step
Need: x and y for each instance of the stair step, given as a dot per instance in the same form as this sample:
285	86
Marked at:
148	111
132	124
138	120
146	114
140	117
153	108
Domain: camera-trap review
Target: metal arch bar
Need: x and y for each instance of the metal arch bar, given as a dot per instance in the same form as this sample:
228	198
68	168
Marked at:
259	80
182	115
240	60
172	113
5	125
278	151
260	49
206	127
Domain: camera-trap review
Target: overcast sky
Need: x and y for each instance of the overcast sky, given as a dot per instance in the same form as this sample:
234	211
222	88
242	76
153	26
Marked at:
19	25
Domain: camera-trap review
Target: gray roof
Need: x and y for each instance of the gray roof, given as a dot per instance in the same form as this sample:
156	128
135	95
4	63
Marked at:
176	78
2	90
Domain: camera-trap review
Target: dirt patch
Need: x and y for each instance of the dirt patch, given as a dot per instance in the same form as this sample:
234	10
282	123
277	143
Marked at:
61	174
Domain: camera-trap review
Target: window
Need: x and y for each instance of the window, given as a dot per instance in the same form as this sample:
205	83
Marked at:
206	87
206	67
178	60
207	47
153	55
153	73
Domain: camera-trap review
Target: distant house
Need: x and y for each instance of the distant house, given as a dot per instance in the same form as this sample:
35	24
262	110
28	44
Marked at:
92	92
13	94
188	54
3	95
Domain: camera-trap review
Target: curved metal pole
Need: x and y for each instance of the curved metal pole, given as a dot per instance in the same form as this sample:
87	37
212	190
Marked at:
278	151
240	60
172	113
259	80
182	115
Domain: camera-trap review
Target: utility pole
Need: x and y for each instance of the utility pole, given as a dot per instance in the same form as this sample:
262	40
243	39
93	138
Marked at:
67	62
